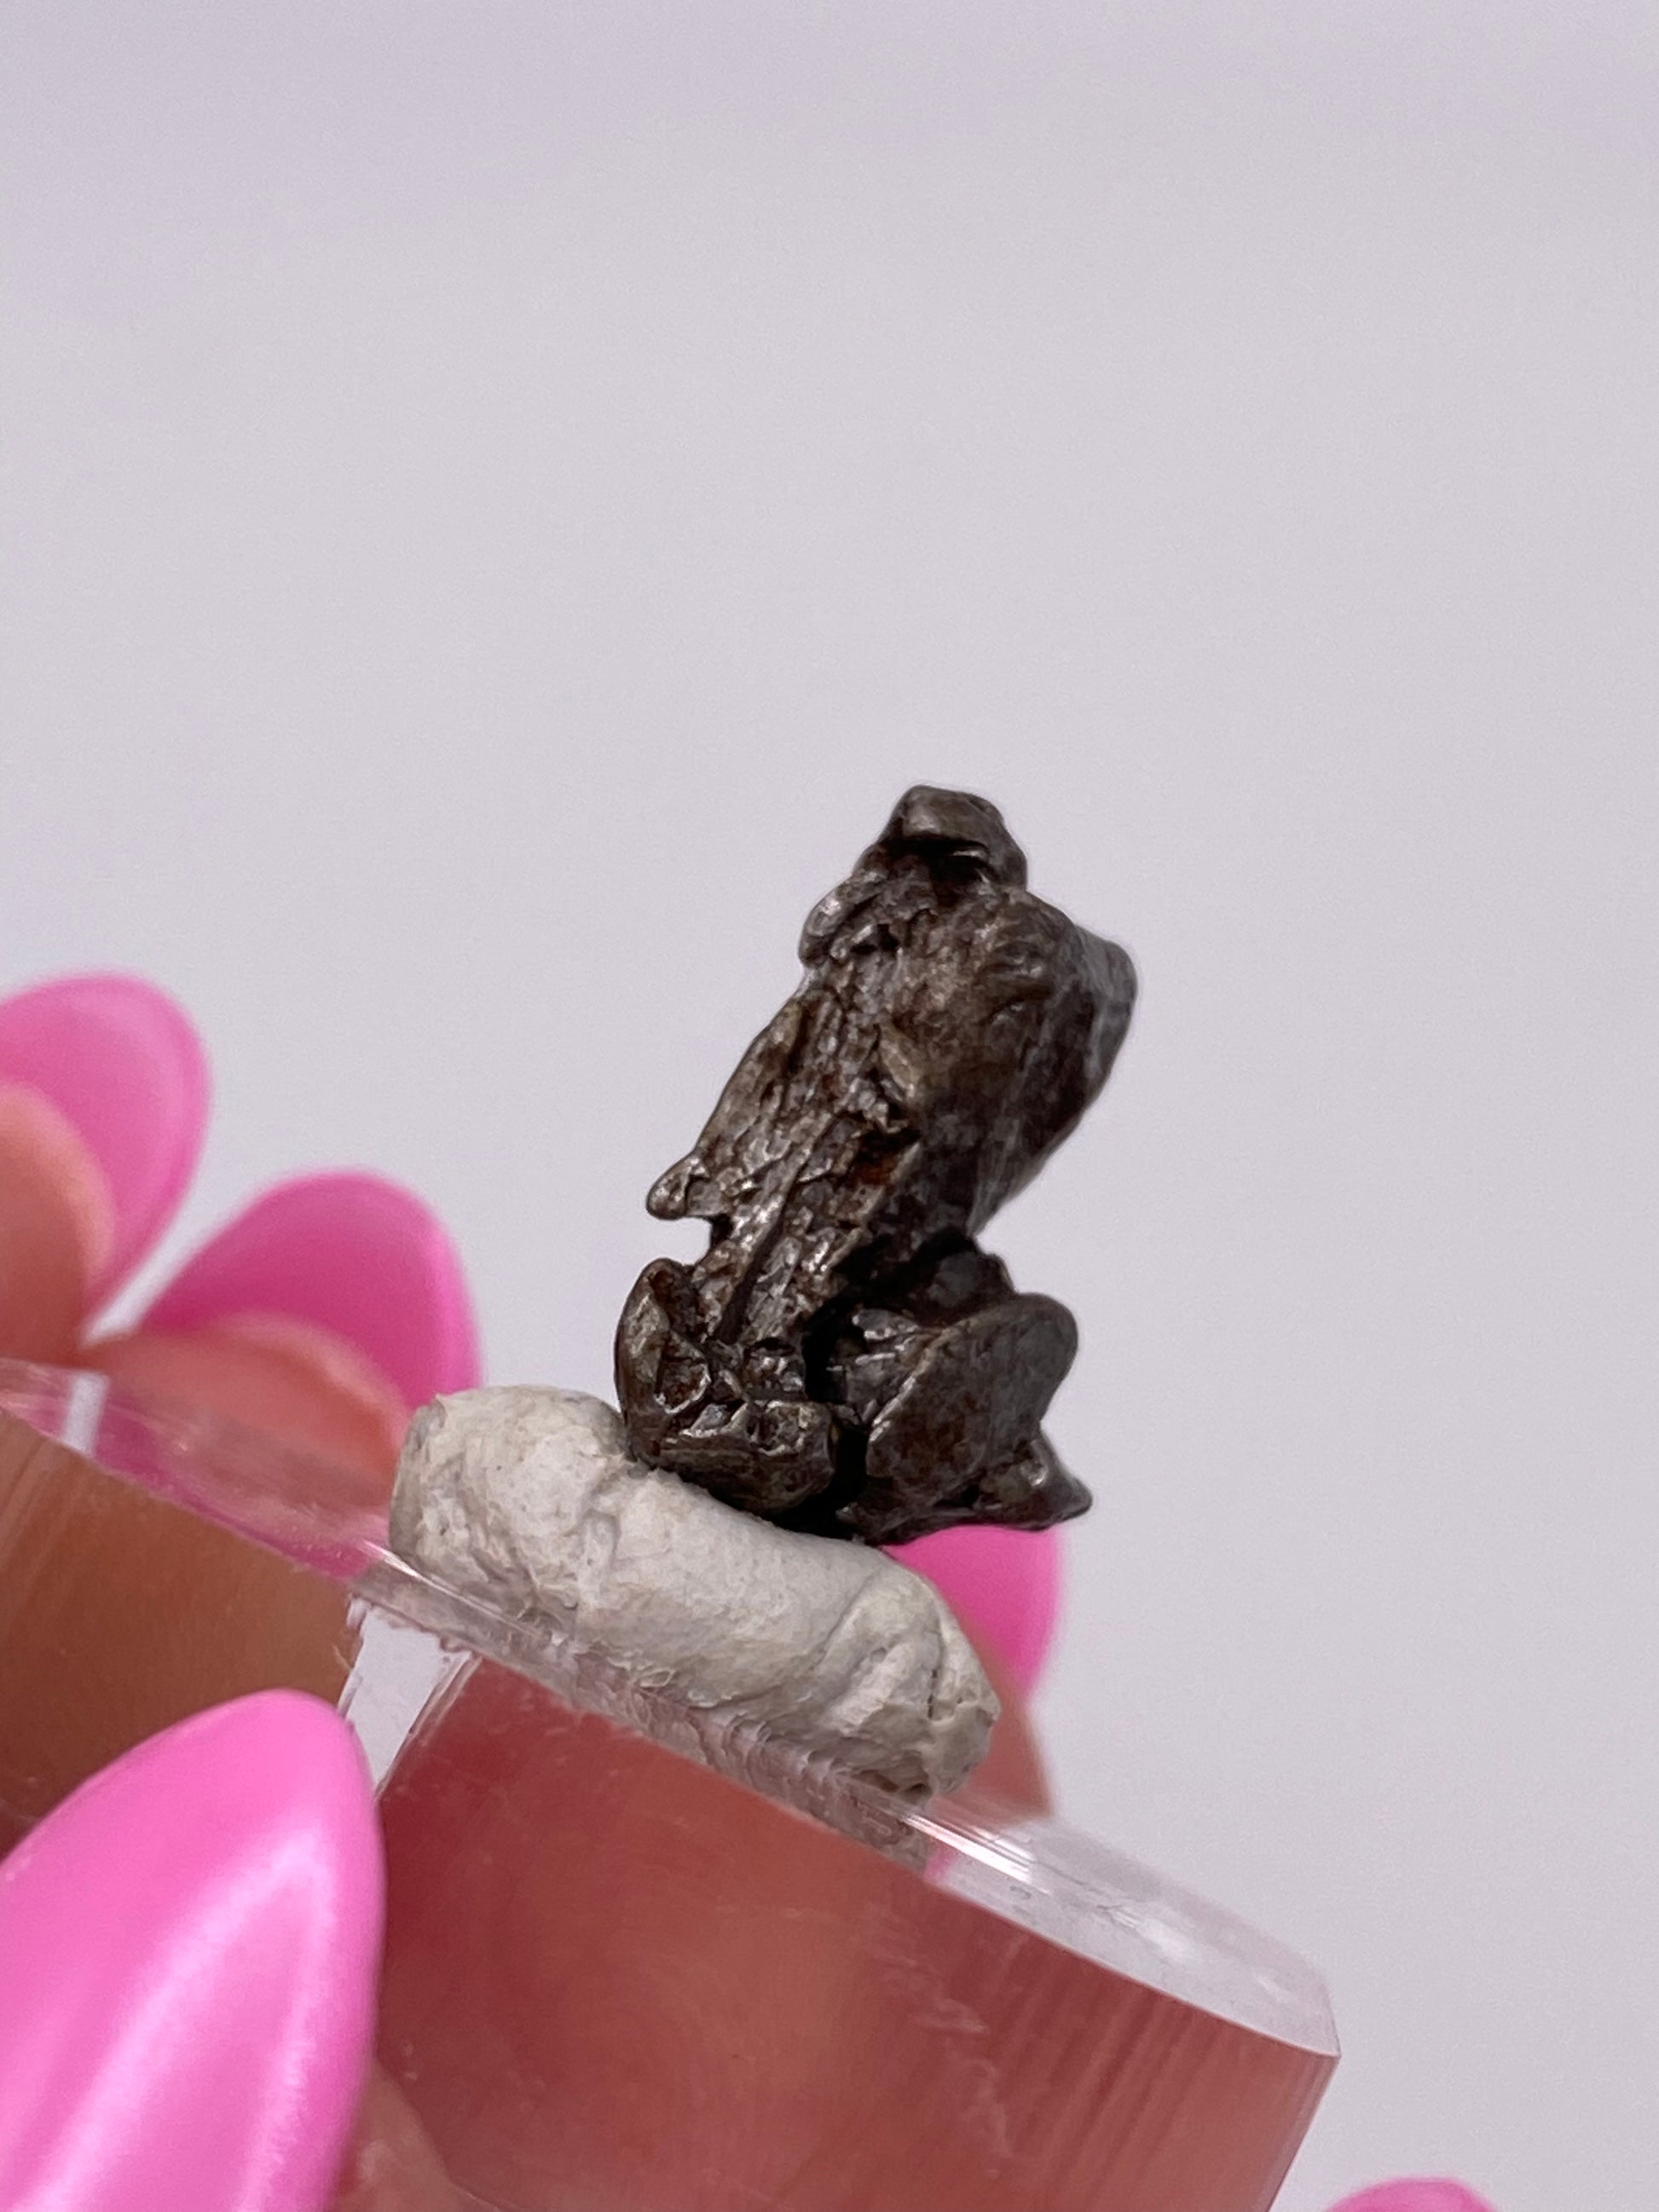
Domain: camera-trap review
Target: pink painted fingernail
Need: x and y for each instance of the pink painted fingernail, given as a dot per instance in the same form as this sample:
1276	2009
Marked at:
1003	1583
121	1066
1414	2197
351	1256
190	1944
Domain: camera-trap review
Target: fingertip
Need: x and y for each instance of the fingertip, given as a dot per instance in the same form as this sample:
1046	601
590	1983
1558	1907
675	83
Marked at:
1005	1585
54	1222
232	1866
296	1384
1012	1772
121	1063
1414	2197
348	1253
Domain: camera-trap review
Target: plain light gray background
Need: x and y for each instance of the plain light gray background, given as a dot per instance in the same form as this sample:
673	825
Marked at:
499	499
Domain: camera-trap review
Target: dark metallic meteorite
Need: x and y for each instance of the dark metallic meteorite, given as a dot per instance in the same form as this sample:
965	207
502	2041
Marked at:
844	1358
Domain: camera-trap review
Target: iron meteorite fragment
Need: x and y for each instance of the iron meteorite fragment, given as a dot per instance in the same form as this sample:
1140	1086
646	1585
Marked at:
844	1359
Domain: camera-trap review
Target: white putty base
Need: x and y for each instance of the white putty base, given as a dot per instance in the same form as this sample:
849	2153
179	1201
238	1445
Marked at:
531	1497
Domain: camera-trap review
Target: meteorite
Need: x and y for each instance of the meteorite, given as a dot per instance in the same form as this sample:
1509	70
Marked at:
844	1359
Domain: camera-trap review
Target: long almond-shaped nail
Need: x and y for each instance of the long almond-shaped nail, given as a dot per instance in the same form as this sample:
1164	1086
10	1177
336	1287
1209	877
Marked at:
122	1065
1003	1583
190	1946
1414	2197
354	1257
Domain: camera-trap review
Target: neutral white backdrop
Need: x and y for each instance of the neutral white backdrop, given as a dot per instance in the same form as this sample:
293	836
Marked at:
498	501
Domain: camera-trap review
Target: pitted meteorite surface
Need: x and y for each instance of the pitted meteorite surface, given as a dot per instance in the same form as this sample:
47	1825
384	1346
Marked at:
844	1358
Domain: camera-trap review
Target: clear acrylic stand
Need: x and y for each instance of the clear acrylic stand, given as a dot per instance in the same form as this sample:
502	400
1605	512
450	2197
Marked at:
637	1960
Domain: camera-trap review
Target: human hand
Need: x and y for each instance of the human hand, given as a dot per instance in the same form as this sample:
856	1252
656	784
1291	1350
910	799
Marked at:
325	1312
322	1315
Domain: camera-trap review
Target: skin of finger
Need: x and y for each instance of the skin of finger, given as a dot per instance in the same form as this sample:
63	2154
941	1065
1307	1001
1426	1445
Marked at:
43	1260
392	2166
598	1953
128	1612
145	1613
150	1614
273	1388
545	1878
315	1399
125	1612
275	1384
1012	1771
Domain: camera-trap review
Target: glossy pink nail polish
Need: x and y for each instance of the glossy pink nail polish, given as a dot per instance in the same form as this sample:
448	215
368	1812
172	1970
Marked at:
350	1256
1004	1583
1414	2197
188	1952
123	1066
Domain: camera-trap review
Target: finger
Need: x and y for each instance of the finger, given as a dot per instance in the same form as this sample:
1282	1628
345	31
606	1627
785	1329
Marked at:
612	1976
1011	1771
352	1255
124	1611
1003	1584
323	1314
303	1388
122	1065
53	1225
1414	2197
191	1946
